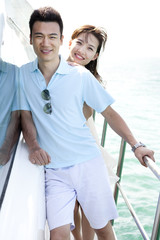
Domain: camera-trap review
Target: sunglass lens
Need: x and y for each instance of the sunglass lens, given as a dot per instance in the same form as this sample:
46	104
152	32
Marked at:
45	94
47	108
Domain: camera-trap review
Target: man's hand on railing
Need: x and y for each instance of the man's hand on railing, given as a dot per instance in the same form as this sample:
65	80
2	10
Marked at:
39	156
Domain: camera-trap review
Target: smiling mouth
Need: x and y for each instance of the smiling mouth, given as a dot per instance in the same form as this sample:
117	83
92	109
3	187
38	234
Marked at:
46	51
79	56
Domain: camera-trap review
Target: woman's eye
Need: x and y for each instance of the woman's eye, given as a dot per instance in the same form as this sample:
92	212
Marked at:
78	42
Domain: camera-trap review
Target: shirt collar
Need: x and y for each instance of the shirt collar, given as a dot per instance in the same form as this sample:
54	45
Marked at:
63	67
34	65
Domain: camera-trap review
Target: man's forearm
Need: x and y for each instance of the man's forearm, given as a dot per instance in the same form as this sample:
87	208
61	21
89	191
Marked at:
36	154
28	129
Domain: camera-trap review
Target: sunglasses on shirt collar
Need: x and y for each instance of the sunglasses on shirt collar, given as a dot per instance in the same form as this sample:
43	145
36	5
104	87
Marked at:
46	96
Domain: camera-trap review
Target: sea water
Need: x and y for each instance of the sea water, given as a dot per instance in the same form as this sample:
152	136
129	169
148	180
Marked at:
135	85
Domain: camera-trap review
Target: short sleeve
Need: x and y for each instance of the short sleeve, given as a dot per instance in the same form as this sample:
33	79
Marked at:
94	94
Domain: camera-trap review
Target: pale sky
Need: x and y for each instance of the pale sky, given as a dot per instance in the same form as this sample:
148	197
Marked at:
133	26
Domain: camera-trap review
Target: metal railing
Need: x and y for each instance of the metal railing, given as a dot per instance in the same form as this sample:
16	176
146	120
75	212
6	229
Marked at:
155	170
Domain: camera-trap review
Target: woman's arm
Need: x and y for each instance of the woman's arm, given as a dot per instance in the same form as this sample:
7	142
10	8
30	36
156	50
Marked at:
87	111
36	154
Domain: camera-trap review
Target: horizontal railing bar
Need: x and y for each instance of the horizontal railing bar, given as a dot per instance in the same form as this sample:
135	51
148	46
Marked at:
139	225
152	166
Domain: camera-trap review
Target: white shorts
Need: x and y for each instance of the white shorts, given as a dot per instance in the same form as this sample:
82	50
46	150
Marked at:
87	182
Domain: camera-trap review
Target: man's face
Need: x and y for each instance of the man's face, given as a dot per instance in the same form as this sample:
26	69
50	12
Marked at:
46	40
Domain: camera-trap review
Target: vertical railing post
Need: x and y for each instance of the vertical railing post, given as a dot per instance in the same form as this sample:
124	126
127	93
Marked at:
94	114
158	233
104	133
156	225
120	167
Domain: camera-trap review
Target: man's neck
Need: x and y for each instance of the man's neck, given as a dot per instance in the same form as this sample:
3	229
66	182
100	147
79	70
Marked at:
48	68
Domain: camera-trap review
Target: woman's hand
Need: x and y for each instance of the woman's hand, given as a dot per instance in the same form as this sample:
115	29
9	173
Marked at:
141	152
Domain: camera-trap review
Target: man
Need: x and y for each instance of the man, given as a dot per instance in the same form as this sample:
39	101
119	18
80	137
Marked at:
53	94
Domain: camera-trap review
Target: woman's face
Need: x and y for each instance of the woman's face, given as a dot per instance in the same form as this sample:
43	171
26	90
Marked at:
83	49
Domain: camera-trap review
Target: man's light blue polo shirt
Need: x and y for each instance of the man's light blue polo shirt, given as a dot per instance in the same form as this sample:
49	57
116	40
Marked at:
8	88
63	133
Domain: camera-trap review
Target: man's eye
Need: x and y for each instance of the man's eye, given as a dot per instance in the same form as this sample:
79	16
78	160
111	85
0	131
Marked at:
53	37
38	36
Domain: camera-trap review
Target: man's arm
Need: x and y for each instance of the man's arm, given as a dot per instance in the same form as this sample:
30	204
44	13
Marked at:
36	154
117	123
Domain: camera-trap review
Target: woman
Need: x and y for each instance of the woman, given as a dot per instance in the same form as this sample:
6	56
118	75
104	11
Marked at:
85	46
